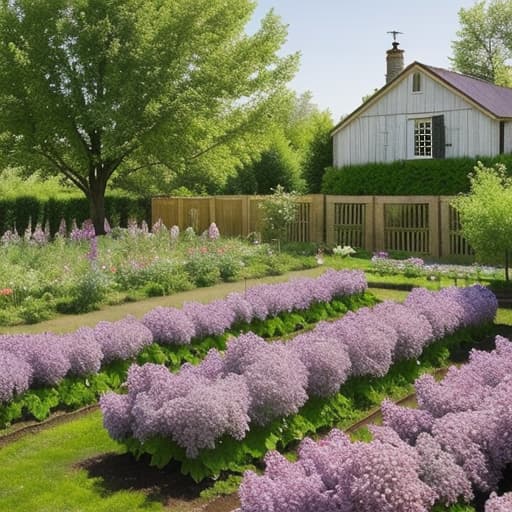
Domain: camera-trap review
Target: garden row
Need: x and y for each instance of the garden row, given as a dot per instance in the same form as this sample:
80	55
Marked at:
63	366
227	410
456	445
79	272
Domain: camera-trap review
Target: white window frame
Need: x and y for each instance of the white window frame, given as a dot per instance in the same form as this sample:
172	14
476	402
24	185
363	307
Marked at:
422	138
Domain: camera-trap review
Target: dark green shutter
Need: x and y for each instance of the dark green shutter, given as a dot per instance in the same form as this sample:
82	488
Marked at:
438	137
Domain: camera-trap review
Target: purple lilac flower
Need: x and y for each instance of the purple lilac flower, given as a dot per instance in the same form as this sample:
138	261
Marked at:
209	412
414	330
388	435
10	237
43	352
170	325
83	351
386	479
285	486
439	470
370	344
209	319
240	306
327	362
116	411
213	232
406	422
497	503
442	311
158	227
277	382
92	255
243	351
123	339
144	228
15	376
39	237
463	434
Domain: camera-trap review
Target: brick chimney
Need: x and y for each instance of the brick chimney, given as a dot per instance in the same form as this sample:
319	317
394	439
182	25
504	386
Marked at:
394	62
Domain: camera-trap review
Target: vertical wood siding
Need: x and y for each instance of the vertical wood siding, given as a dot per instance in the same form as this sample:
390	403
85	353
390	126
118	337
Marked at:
383	133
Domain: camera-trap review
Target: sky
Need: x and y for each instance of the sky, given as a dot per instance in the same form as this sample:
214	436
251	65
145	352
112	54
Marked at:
343	43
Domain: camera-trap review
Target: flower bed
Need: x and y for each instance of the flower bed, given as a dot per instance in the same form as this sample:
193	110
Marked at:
66	367
78	272
211	417
457	443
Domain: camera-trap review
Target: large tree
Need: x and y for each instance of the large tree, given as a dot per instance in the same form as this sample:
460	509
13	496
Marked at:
90	88
484	45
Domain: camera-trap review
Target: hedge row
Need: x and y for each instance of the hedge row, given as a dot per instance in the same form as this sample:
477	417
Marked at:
408	177
18	211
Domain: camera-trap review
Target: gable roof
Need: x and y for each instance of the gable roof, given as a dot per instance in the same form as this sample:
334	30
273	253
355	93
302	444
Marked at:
494	100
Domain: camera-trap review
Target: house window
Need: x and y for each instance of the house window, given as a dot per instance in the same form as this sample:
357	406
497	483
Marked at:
423	138
416	82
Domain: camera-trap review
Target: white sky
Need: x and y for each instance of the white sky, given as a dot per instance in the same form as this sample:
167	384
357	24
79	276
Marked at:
343	42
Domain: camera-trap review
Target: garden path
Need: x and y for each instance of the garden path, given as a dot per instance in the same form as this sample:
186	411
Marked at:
66	323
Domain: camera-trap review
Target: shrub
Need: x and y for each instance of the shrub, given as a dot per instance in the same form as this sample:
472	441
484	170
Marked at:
409	177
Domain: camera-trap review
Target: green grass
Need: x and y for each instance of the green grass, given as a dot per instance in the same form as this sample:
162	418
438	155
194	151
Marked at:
40	473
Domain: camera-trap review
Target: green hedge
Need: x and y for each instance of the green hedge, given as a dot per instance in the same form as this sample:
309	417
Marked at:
408	177
17	211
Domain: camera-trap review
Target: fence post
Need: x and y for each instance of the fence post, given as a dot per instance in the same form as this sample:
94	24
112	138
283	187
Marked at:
435	235
378	224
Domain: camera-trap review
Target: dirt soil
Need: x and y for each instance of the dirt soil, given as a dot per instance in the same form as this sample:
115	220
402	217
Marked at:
175	491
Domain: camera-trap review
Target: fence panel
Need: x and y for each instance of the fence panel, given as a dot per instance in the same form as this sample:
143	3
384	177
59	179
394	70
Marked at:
424	225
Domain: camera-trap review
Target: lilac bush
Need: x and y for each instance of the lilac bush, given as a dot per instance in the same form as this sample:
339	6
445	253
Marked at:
209	319
15	376
415	461
123	339
497	503
170	325
83	351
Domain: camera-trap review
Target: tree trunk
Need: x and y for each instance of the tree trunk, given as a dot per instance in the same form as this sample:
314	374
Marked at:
97	207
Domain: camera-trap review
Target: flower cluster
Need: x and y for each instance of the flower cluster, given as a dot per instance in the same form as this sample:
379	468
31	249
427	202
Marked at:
173	326
45	359
413	462
279	377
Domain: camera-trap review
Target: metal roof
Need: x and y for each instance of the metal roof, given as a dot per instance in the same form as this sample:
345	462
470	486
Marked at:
497	100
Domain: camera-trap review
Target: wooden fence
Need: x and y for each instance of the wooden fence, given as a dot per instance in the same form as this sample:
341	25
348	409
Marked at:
423	225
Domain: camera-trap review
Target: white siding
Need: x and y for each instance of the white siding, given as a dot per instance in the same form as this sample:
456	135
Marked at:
384	132
508	137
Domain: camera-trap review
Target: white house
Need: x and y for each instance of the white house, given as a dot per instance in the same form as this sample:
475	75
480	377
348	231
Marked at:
424	112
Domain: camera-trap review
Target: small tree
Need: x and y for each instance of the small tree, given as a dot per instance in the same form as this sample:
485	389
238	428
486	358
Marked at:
486	213
279	210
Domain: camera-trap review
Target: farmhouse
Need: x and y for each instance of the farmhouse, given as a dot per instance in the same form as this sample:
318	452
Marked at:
425	112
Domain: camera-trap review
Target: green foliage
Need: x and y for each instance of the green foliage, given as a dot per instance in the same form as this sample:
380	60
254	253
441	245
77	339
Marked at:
318	155
34	310
408	177
17	211
484	45
86	294
200	88
277	165
279	210
457	507
486	213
